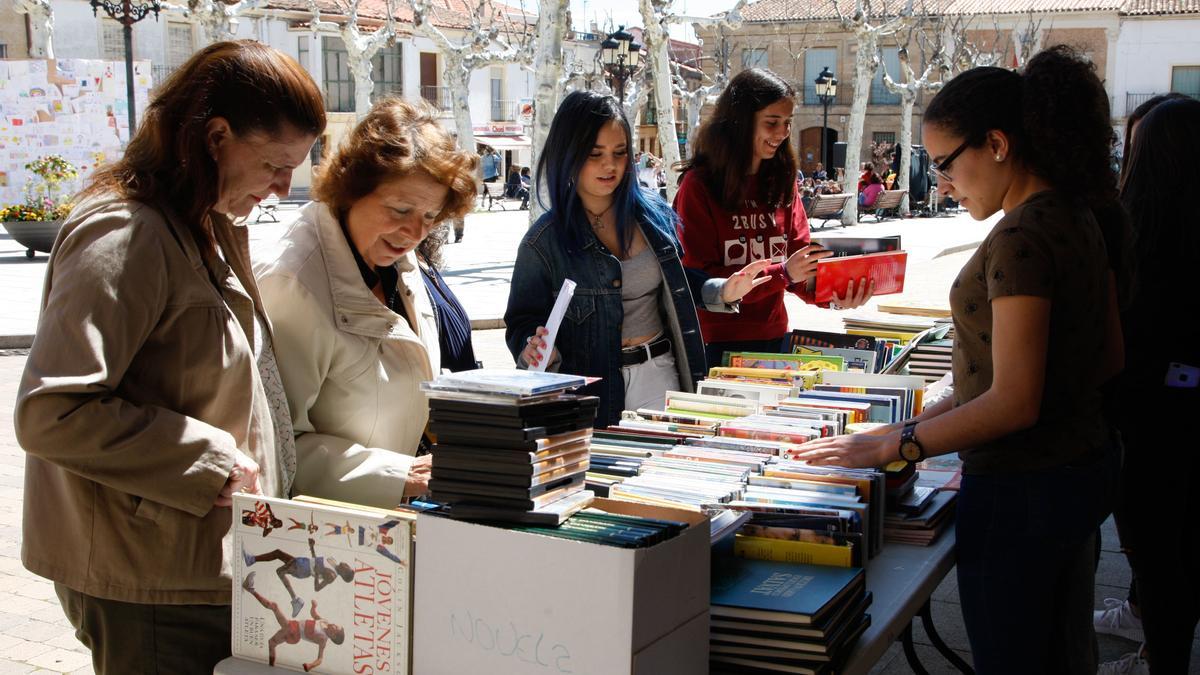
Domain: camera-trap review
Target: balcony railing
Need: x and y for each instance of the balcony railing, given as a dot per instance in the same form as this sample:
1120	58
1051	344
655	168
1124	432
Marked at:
881	95
160	73
439	97
844	95
504	111
1132	101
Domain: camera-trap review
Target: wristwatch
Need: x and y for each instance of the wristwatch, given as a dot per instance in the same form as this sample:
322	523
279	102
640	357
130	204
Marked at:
911	449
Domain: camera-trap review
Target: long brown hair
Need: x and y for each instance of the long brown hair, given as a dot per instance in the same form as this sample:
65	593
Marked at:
167	162
725	143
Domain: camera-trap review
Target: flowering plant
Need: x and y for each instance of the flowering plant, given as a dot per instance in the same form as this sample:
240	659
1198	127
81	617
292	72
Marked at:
42	201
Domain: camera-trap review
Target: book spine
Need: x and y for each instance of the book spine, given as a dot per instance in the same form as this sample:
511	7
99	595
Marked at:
780	550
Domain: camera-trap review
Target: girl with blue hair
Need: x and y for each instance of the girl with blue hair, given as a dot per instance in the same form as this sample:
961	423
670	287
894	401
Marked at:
632	320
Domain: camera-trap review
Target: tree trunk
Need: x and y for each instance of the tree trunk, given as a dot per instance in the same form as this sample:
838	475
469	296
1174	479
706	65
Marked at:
694	105
907	98
358	60
458	78
214	22
548	71
864	71
658	46
41	26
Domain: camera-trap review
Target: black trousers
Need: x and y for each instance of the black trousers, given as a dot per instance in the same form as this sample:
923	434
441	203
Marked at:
133	639
1158	519
1026	573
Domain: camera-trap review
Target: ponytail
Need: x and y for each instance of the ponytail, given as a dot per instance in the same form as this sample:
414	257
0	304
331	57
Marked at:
1057	119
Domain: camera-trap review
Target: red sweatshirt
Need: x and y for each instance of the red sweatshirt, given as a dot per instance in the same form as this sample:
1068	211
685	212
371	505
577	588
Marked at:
721	242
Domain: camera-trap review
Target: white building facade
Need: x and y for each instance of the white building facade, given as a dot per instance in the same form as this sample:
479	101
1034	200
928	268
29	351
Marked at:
411	68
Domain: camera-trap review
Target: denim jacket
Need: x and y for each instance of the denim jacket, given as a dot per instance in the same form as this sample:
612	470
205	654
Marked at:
589	339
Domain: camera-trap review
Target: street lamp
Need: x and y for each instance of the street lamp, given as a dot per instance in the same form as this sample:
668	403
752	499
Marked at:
127	13
621	57
826	86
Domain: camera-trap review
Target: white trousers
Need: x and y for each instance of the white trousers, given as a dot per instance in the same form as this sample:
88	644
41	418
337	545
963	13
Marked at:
647	383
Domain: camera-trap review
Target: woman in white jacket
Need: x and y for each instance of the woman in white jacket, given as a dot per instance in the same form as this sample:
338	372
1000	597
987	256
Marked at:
355	330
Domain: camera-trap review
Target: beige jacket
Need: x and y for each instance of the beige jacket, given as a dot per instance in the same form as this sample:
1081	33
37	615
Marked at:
140	385
351	366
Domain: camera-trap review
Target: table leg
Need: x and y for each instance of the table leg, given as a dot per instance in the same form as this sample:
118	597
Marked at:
910	653
957	661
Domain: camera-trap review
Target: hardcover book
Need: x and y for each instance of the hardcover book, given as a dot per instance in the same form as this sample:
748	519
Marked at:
779	591
322	586
885	269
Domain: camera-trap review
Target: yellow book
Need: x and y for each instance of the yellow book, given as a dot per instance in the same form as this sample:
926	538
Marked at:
887	334
783	550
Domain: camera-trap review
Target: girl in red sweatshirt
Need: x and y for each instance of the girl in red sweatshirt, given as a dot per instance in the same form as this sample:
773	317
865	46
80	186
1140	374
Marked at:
737	204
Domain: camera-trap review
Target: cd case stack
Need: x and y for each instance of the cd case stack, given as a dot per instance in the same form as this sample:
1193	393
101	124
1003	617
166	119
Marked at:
510	446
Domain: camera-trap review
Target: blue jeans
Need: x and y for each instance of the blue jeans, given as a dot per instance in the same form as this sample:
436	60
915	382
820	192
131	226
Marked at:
1026	568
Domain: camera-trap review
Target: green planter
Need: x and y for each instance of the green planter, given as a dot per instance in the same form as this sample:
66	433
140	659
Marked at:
34	235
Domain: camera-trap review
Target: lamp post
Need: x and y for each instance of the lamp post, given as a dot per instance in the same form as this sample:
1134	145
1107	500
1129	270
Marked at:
826	86
127	13
621	57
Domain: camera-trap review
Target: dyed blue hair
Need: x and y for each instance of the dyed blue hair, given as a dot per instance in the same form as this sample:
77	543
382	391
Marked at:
572	136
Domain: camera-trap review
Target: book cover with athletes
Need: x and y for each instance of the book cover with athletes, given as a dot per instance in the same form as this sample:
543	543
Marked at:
321	586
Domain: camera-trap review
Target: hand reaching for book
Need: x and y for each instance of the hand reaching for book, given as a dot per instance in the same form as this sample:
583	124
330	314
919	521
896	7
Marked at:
854	299
743	281
243	477
802	265
851	451
532	354
417	482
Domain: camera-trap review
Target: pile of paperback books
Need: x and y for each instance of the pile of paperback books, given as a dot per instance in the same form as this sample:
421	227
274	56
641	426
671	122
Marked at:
510	445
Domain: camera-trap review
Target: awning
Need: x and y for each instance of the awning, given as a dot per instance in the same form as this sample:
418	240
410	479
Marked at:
503	142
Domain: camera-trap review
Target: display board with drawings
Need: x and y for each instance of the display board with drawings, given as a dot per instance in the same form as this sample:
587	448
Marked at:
76	108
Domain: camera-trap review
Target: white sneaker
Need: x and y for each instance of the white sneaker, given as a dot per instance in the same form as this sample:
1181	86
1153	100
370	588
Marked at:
1130	664
1118	619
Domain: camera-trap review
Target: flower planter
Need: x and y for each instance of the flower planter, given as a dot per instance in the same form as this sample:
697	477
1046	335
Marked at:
34	235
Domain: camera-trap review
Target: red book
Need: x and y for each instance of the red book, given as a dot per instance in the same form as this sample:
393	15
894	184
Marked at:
886	269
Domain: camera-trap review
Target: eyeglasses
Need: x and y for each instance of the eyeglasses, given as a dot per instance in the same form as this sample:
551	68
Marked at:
940	168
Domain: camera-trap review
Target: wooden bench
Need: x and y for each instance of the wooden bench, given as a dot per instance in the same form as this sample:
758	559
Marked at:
887	205
827	207
267	208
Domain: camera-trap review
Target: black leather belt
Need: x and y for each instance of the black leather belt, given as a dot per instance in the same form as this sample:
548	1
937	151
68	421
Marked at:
632	356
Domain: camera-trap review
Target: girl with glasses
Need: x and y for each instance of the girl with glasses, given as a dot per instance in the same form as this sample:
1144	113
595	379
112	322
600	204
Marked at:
1036	335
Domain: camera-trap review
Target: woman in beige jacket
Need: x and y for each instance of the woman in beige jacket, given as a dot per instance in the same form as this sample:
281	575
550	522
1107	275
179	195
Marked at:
144	404
355	328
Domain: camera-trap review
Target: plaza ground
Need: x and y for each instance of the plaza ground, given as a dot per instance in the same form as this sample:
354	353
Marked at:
35	636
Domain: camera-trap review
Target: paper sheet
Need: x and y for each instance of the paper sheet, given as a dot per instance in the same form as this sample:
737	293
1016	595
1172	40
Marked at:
556	316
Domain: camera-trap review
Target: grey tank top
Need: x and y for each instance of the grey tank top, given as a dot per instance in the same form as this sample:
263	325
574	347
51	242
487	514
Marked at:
641	278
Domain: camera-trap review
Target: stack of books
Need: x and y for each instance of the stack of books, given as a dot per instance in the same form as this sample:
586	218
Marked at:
510	446
784	617
922	526
931	360
920	504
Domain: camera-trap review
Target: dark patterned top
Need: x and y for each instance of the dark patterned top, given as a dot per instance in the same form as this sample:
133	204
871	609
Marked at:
1049	247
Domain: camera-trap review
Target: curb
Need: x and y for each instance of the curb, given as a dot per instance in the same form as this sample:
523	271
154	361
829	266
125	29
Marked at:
16	341
957	249
487	324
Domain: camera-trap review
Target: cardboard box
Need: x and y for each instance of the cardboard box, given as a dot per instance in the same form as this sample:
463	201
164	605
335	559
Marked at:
497	601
